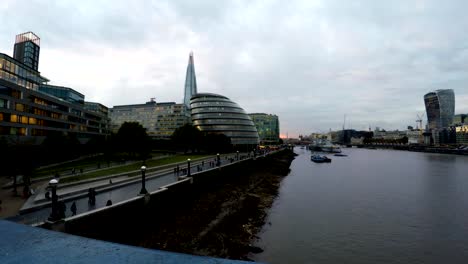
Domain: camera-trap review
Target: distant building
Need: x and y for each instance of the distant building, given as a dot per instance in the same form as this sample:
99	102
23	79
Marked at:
414	136
459	119
96	108
440	108
190	82
159	119
213	113
396	134
31	110
267	126
462	134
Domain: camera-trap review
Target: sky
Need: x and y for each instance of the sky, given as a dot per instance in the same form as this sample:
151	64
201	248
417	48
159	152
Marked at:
309	62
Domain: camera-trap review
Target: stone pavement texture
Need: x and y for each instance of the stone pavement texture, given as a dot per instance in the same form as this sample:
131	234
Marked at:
25	244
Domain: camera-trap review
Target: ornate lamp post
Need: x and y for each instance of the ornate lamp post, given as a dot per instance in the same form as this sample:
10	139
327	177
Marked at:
237	155
188	167
54	215
143	180
218	160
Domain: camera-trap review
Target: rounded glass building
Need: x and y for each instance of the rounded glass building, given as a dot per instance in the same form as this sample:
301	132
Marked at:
215	113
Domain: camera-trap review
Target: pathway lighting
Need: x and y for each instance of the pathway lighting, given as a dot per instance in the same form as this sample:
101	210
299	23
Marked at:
143	180
54	215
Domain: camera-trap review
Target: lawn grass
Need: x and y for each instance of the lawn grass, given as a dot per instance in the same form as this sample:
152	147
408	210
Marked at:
130	168
83	163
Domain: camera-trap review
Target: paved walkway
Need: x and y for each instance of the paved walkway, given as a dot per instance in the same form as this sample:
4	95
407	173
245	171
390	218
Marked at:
116	191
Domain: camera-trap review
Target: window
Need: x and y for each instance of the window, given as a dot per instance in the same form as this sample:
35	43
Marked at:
3	103
13	118
19	107
32	121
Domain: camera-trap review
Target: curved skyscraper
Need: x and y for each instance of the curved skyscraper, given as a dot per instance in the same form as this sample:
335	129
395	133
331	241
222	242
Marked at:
440	108
190	82
215	113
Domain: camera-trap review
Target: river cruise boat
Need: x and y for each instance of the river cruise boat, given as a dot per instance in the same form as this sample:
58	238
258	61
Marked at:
324	146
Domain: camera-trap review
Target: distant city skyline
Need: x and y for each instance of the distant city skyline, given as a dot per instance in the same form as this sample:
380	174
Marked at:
307	62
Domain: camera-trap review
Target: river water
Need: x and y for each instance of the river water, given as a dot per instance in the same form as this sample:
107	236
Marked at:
374	206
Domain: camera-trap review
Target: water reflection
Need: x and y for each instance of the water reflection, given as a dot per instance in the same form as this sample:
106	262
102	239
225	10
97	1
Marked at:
374	206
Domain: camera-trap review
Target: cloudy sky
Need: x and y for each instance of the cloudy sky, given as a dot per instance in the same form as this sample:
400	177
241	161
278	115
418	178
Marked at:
309	62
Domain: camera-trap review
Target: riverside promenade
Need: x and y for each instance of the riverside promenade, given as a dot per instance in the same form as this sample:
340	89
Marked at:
116	188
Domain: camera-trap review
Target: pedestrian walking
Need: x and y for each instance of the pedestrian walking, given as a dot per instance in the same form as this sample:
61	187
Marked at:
109	202
91	196
73	208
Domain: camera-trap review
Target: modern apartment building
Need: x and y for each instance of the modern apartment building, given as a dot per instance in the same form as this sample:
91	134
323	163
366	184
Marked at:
31	110
159	119
267	127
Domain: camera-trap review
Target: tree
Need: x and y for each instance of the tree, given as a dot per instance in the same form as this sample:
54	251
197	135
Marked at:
217	143
132	139
188	137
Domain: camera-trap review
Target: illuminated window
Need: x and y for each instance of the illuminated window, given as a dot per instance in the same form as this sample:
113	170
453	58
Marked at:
24	119
1	116
32	121
13	118
19	107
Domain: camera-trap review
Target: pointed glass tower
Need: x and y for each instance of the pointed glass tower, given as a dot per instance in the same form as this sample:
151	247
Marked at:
190	82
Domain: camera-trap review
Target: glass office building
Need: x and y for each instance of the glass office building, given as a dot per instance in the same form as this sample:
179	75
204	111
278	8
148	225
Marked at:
28	113
267	127
440	108
63	93
213	113
190	82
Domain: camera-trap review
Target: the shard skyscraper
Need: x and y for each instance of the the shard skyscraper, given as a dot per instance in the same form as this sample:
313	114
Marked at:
190	82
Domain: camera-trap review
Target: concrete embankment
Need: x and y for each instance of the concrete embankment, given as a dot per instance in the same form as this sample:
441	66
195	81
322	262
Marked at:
217	213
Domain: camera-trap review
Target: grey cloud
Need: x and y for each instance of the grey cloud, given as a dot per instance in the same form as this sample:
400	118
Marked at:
310	62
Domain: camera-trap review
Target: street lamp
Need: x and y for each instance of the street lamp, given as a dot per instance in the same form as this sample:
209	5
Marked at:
218	160
54	215
188	167
238	155
143	180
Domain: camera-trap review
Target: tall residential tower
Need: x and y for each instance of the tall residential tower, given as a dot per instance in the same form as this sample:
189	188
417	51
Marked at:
190	82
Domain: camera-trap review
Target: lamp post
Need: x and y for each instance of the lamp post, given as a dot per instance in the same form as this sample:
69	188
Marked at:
188	167
143	180
54	215
218	160
237	155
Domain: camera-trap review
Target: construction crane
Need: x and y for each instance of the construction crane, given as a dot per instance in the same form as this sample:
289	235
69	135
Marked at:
419	121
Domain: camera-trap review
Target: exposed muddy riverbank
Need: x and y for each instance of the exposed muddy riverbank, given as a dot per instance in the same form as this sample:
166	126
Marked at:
219	215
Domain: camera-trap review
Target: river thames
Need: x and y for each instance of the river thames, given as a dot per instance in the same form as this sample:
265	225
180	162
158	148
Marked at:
374	206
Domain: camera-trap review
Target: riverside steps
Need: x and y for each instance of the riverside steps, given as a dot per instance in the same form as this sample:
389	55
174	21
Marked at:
120	190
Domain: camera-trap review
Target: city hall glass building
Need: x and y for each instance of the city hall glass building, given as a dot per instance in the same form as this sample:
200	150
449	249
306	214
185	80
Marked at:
440	108
31	110
213	113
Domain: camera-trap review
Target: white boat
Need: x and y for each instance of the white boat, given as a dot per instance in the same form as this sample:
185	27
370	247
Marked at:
324	146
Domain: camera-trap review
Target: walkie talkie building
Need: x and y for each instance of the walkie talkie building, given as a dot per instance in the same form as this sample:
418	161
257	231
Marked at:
440	108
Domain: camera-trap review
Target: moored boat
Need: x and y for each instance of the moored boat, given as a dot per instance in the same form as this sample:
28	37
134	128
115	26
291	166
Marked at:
319	159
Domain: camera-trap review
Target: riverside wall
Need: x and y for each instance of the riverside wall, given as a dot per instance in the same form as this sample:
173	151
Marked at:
173	217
